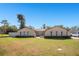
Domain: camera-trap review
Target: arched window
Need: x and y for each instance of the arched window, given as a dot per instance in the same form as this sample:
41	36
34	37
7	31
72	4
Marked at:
56	33
51	33
61	33
20	33
28	33
24	33
66	33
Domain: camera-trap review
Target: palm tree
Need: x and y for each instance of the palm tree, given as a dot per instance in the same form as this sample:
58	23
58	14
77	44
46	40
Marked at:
21	20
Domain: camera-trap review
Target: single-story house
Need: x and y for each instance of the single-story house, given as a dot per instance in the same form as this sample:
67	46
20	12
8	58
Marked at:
51	32
25	32
56	32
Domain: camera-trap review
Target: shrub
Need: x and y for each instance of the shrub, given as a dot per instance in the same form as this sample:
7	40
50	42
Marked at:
57	37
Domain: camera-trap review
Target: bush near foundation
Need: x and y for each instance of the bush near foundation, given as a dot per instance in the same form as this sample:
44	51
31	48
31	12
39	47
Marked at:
57	37
25	36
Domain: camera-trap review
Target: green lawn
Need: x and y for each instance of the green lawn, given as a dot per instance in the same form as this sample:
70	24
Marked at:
1	35
38	46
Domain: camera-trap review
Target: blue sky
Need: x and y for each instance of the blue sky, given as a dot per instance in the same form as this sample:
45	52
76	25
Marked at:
39	14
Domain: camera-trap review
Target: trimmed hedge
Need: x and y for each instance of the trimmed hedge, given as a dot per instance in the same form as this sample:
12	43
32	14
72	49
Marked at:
25	36
57	37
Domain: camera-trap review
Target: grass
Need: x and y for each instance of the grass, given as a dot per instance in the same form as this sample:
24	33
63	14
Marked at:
38	47
1	35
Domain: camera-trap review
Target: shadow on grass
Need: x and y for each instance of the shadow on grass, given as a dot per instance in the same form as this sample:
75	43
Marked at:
4	36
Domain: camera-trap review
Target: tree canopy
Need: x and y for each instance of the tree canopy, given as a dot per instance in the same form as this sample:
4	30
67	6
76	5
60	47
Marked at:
21	20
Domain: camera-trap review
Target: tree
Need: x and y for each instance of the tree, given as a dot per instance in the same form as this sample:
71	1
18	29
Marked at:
59	26
31	27
5	25
12	28
21	20
67	28
49	27
5	28
44	26
75	28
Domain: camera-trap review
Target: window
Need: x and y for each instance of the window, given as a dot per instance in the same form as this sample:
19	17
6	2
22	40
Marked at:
56	33
20	33
78	32
24	32
51	33
61	33
66	33
28	33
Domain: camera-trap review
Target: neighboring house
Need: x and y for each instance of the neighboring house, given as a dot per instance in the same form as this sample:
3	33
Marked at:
56	31
74	33
25	32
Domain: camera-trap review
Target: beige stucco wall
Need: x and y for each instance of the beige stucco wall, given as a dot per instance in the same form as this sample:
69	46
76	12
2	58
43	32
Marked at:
26	32
59	30
23	32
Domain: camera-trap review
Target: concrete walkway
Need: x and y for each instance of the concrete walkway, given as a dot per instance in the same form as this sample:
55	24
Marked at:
75	37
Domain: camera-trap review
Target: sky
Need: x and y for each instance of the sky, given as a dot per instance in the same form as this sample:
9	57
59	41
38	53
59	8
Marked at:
37	14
